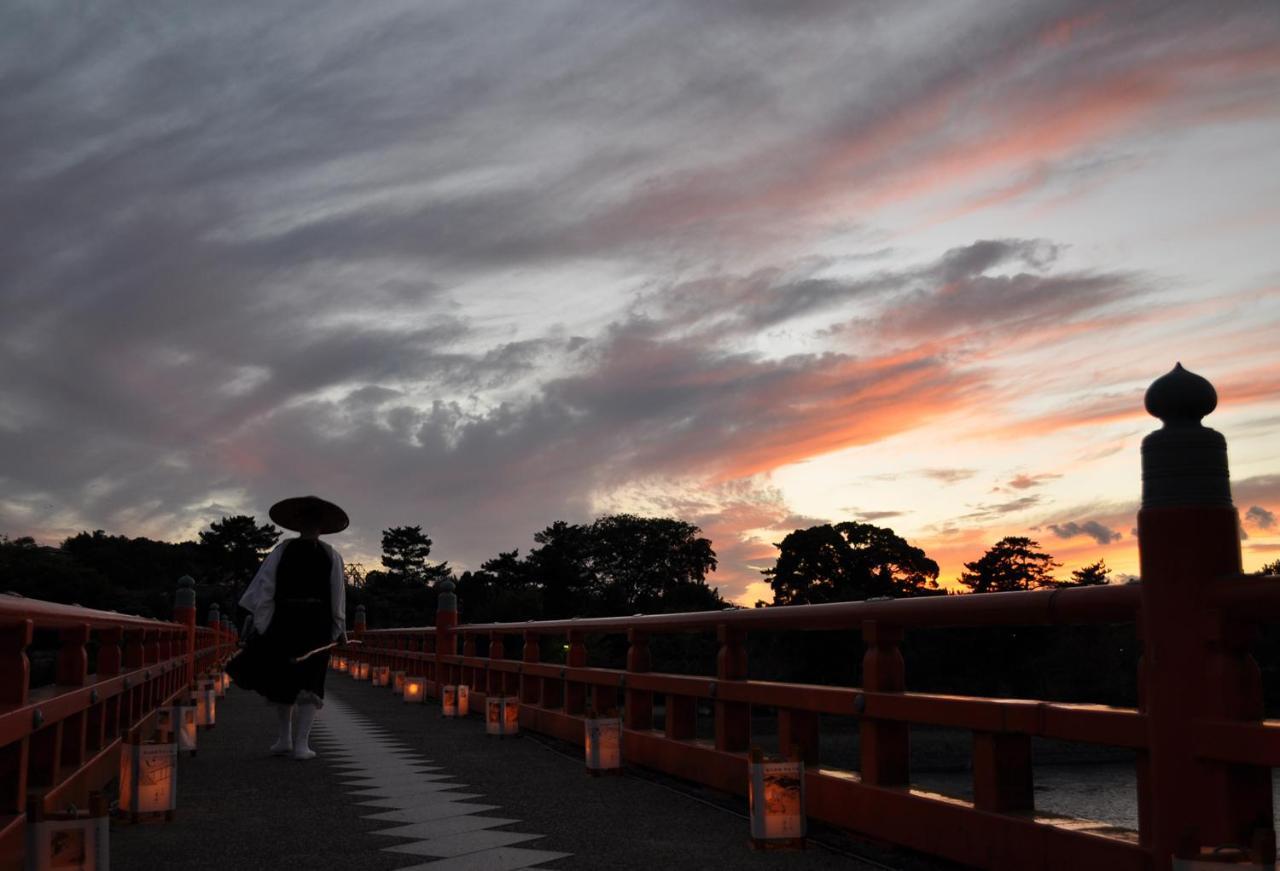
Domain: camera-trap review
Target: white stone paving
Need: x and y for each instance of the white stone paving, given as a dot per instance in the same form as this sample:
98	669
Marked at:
438	821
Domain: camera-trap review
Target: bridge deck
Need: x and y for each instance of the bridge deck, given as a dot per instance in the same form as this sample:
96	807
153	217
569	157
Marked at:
455	798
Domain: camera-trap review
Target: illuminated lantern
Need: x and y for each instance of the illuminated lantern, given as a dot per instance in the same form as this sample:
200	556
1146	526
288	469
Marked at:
177	725
603	744
148	779
360	670
382	676
219	688
464	700
415	690
206	702
71	840
501	715
226	682
341	663
449	701
397	682
776	796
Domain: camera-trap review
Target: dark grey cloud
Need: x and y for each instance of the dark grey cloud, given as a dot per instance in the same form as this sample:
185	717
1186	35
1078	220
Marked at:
1099	532
1259	517
239	245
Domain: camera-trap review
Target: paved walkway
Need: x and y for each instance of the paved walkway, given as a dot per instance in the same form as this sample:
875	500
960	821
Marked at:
397	787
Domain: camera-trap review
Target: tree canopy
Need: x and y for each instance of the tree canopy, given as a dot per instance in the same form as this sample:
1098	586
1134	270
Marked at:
848	562
1092	575
1012	563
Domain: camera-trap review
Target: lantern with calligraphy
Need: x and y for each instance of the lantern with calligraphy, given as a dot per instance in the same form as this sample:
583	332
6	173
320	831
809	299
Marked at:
225	680
397	682
177	725
206	702
775	792
464	700
148	779
449	701
603	744
360	670
76	840
381	675
415	690
341	663
502	715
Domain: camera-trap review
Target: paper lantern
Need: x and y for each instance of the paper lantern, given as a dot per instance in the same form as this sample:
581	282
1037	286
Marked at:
177	725
397	682
360	670
206	702
501	715
341	663
603	744
71	840
449	701
464	700
148	779
776	796
415	690
226	682
382	675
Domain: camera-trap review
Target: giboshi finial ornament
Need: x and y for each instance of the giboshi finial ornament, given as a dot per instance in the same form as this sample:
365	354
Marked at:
1180	397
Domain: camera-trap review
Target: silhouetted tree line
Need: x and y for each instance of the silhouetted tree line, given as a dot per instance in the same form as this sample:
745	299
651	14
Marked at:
624	564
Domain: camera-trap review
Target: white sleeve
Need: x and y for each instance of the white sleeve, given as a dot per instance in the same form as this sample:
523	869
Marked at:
260	598
338	595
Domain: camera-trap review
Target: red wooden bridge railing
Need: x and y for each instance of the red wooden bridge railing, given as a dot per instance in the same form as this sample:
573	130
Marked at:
61	741
1203	748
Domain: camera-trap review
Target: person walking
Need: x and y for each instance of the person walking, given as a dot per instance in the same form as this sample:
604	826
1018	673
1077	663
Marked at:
297	612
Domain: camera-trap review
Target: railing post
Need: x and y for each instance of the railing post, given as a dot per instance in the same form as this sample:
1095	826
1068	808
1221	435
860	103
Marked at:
109	651
885	744
469	651
575	692
496	682
638	703
73	659
530	686
184	612
1195	664
446	620
733	719
15	668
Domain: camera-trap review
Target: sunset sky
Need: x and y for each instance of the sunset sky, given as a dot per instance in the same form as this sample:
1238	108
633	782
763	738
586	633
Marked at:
758	265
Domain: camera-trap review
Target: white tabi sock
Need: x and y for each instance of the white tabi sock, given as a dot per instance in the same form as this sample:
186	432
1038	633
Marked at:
284	734
301	743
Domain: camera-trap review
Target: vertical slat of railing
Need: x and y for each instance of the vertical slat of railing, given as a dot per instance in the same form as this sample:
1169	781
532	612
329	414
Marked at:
575	691
530	686
733	719
885	747
469	651
798	733
638	703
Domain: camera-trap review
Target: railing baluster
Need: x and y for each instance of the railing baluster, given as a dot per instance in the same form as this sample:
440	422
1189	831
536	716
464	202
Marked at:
885	743
639	703
575	695
733	719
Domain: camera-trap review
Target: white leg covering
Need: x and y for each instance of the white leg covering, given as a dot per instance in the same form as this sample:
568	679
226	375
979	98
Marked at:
302	742
284	734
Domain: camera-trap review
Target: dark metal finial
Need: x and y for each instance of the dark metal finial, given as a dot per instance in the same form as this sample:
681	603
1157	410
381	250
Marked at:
1184	463
1180	397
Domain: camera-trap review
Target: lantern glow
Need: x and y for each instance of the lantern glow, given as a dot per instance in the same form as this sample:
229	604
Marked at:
382	675
71	840
148	779
360	670
603	744
776	796
340	663
449	701
397	682
415	690
177	725
206	703
501	715
464	700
